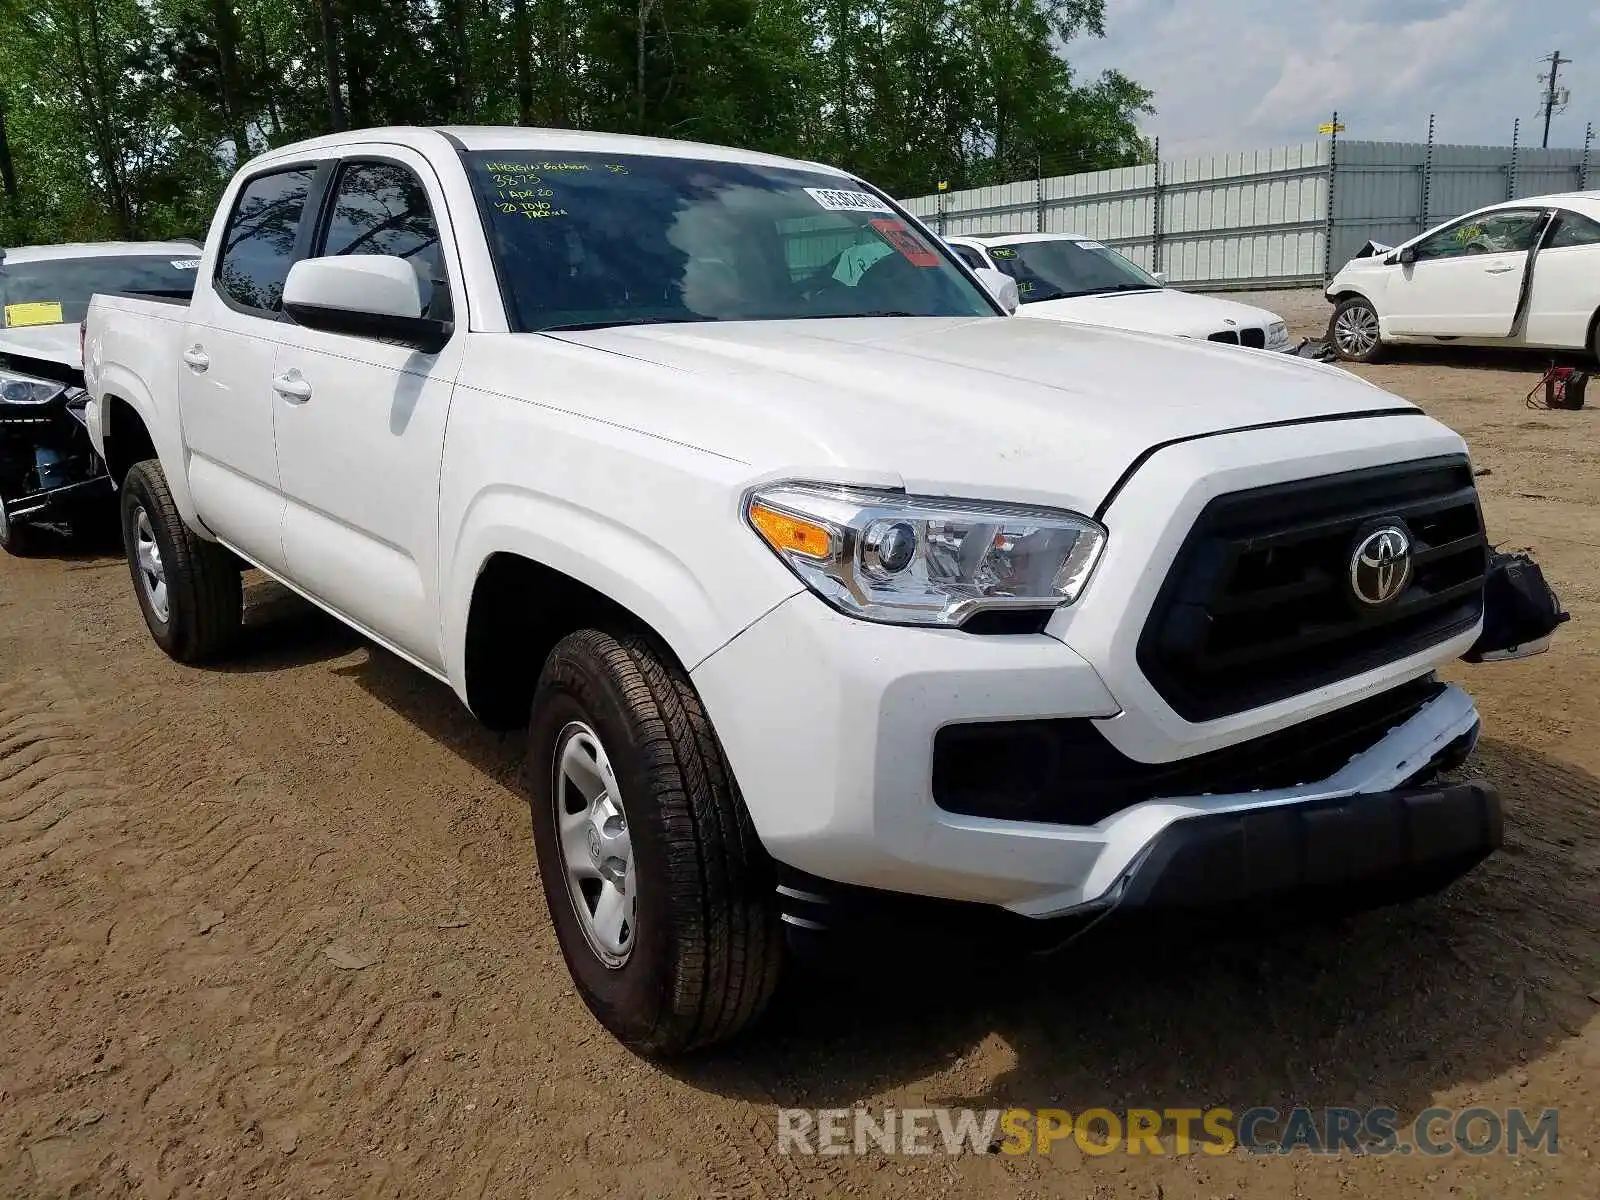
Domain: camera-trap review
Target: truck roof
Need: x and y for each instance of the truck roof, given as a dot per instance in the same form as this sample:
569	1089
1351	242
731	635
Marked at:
516	137
21	254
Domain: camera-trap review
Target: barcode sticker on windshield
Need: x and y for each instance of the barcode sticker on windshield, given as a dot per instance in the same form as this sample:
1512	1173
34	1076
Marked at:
835	200
186	264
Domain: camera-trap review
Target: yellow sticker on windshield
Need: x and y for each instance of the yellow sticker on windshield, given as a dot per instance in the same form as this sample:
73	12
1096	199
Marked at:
35	312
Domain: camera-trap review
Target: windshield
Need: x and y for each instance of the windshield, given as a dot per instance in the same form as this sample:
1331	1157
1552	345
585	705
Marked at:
1052	269
56	291
592	240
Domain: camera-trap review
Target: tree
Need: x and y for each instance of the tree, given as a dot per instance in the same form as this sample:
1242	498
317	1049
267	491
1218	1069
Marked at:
125	117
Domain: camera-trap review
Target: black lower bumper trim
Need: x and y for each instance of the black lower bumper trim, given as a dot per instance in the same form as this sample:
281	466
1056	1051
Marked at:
1360	851
1334	856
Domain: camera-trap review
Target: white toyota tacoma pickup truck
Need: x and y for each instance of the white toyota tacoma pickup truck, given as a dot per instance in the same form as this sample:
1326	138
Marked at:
817	582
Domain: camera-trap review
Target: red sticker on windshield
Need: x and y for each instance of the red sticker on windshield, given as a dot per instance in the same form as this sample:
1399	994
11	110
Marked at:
899	235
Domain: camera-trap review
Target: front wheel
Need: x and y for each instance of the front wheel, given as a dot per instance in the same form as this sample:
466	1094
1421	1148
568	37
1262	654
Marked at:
1354	331
661	895
16	539
188	588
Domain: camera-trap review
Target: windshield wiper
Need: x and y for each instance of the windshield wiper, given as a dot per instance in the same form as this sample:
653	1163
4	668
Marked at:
875	312
1121	287
616	322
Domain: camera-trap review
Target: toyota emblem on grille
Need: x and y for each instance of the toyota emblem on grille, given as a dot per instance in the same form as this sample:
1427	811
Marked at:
1380	568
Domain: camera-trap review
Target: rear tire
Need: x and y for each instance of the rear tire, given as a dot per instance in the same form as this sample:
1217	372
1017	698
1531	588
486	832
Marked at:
188	588
630	794
1354	331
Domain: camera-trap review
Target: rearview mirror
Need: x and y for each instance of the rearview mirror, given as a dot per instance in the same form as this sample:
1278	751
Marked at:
363	295
1001	286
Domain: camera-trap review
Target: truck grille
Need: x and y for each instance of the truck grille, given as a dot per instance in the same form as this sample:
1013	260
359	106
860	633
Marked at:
1254	338
1226	335
1259	604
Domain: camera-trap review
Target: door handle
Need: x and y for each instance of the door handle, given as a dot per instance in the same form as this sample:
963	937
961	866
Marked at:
291	386
1499	270
197	357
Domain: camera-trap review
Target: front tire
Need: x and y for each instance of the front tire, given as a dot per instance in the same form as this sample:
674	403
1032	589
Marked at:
1355	332
188	588
661	895
16	539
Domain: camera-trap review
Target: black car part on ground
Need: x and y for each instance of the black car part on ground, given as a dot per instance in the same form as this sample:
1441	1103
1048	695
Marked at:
1520	610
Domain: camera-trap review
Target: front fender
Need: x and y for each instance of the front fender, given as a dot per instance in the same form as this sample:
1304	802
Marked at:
620	562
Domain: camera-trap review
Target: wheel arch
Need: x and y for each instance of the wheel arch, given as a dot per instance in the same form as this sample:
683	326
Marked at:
127	428
519	610
1351	293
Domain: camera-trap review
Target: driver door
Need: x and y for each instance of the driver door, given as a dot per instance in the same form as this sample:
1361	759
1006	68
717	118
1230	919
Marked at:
1466	278
361	422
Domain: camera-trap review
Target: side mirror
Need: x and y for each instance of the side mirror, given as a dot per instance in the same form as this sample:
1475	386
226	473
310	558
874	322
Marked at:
1160	277
1406	255
1001	286
363	295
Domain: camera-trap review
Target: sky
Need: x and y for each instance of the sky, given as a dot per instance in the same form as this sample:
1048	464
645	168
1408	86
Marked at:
1251	74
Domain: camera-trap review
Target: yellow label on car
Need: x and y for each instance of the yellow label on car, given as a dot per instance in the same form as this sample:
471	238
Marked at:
35	312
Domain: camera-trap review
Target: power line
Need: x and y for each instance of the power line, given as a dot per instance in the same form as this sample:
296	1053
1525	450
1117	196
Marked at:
1556	63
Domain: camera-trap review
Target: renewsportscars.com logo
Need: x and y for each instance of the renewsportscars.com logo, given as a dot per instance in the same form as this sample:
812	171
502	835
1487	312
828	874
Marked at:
1170	1131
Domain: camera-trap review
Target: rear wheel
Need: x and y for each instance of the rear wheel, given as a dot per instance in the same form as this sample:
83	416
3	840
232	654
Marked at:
188	588
1354	331
662	897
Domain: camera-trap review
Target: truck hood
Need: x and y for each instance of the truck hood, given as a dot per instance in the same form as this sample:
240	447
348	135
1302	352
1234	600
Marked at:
48	343
1183	314
988	408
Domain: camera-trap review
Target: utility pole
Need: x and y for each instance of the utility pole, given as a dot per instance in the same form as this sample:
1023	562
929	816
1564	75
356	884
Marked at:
1556	63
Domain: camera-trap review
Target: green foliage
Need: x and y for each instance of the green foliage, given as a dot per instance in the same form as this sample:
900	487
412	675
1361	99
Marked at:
124	118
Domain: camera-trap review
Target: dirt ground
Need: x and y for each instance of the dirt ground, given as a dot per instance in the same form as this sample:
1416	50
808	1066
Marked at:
275	929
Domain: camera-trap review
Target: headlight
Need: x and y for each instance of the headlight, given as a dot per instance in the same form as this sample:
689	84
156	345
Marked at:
1277	333
908	560
25	389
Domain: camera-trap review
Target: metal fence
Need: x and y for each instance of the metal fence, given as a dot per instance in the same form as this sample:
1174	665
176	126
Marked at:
1273	218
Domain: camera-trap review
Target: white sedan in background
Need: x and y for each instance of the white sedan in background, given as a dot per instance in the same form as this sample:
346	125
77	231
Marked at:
1524	273
1063	277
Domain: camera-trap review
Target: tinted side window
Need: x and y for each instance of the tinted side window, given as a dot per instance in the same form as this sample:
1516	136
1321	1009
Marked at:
1573	229
1487	233
382	208
258	246
970	256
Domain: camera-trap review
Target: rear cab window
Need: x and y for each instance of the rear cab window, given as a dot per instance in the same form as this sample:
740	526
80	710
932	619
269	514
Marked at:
258	245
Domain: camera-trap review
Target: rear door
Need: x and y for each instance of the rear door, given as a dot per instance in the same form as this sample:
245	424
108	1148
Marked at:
1566	282
224	378
1467	277
361	422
